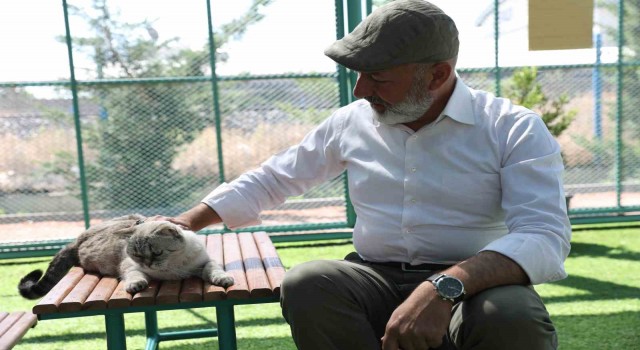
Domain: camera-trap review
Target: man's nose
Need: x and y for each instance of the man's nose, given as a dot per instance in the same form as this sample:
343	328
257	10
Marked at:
364	86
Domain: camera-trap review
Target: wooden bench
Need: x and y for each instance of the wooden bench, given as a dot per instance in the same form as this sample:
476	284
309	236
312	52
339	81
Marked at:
250	258
13	326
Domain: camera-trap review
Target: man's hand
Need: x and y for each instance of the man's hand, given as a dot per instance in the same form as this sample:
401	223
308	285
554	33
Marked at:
193	219
420	322
175	220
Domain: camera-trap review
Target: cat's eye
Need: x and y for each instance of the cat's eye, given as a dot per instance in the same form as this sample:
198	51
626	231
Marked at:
156	254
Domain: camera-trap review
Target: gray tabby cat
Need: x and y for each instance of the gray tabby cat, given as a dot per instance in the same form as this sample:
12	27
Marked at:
133	250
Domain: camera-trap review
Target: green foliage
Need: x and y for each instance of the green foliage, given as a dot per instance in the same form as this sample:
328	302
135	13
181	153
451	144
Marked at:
138	142
146	124
523	89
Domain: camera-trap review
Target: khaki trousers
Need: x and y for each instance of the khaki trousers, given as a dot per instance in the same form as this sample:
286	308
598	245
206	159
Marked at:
345	305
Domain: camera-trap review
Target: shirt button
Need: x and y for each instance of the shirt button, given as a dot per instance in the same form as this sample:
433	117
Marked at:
414	169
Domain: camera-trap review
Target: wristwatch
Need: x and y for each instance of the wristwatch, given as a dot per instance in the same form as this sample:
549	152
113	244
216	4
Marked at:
448	287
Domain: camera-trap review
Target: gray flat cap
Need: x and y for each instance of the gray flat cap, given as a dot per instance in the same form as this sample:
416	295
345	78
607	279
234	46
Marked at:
401	32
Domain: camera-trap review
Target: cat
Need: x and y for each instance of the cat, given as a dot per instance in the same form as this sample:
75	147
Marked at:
133	250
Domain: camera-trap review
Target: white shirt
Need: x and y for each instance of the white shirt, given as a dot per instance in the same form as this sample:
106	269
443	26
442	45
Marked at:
485	175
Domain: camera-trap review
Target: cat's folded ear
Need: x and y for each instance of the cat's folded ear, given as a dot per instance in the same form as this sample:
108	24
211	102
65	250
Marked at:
170	230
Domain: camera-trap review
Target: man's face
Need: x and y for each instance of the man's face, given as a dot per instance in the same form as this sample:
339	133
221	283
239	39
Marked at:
399	95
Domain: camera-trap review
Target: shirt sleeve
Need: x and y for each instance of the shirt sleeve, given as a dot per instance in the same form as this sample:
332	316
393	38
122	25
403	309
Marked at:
288	173
534	202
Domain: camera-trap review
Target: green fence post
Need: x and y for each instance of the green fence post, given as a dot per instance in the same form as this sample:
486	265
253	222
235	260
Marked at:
76	117
619	111
216	100
344	87
214	89
496	45
354	17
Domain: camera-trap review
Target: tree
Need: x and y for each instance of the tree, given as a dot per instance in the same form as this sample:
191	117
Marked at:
146	124
523	89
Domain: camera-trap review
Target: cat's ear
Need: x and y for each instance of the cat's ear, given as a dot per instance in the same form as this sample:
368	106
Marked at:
171	231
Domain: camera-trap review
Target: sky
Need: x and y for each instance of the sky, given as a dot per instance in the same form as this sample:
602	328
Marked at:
291	37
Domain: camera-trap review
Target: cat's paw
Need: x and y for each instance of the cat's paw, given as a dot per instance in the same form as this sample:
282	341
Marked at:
136	286
221	279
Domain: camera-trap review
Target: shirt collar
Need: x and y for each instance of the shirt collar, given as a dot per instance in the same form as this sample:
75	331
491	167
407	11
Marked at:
459	107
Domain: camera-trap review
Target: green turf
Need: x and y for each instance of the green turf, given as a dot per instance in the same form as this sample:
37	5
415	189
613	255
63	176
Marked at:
598	306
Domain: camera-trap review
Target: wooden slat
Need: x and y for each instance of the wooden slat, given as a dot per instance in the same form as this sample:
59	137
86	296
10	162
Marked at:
74	300
192	287
50	302
147	296
271	260
191	290
234	266
256	275
214	249
97	300
169	292
9	321
18	330
3	315
120	297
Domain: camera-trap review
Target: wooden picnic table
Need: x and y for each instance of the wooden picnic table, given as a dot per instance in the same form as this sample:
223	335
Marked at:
250	258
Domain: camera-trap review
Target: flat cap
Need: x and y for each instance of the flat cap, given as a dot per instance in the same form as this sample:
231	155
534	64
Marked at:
401	32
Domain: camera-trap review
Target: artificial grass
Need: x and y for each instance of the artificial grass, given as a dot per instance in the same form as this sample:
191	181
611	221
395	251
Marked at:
597	306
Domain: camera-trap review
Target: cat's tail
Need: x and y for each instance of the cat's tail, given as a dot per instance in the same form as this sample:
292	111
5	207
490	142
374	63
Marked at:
32	286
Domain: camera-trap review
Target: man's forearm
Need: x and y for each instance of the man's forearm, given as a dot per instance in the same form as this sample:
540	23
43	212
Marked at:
487	269
199	217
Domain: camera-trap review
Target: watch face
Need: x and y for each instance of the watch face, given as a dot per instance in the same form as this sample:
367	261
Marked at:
450	287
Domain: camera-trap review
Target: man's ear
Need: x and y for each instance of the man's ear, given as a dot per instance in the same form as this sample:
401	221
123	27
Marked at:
441	72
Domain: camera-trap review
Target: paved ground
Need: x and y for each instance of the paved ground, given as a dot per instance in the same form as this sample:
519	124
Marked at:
45	230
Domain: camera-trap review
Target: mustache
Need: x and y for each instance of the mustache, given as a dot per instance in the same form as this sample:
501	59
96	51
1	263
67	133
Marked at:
377	100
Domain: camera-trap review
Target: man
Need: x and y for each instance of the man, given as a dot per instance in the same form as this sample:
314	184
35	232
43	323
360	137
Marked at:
458	194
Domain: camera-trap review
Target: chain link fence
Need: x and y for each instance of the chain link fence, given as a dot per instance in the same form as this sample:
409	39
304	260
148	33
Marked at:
149	121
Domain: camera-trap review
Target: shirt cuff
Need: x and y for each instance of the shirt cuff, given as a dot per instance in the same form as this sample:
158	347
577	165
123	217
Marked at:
536	255
233	209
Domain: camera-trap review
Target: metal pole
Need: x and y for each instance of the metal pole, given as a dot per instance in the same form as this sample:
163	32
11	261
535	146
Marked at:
226	327
151	329
496	26
76	118
216	101
597	89
619	77
345	98
214	89
116	339
354	17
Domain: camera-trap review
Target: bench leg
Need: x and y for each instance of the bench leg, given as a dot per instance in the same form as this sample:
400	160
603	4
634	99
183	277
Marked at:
151	328
116	339
226	327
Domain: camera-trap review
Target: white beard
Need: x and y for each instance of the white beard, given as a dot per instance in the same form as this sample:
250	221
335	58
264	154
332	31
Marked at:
412	108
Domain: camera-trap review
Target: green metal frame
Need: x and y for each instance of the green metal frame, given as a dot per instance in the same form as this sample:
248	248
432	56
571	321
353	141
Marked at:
115	325
348	14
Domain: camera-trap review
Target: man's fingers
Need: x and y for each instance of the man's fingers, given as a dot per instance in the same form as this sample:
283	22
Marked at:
183	225
389	343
